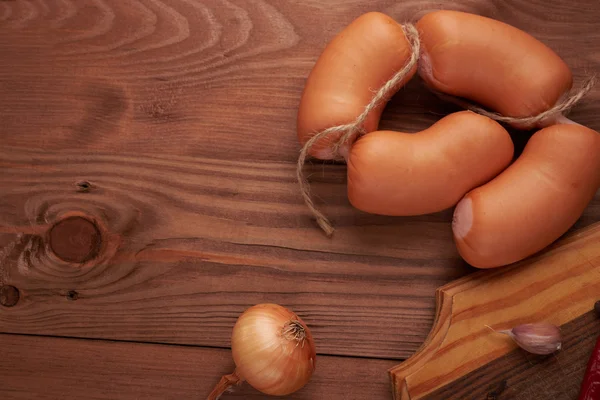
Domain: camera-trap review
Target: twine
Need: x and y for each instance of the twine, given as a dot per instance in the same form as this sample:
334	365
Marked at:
355	129
562	107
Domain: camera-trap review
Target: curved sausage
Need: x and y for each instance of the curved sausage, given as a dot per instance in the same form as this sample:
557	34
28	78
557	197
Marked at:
355	64
492	63
401	174
533	202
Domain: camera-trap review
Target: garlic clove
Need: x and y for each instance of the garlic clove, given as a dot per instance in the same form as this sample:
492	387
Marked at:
537	338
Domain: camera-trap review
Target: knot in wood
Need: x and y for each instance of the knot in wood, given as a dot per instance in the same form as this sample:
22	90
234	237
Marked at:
9	296
72	295
83	186
75	239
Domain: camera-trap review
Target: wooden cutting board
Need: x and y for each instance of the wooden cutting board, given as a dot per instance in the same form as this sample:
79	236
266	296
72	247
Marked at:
463	358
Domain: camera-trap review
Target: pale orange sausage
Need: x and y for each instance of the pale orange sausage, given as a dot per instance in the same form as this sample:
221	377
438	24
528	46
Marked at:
492	63
353	66
401	174
533	202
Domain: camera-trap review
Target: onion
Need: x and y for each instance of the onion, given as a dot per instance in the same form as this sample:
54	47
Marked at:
273	351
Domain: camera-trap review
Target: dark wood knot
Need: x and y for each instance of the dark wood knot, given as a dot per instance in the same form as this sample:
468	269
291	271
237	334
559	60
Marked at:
72	295
75	239
9	296
83	186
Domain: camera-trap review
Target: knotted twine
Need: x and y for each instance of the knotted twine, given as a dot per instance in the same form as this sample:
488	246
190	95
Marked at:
355	129
563	107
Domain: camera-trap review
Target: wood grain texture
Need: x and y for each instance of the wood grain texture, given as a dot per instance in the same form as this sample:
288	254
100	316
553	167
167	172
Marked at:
56	368
205	78
557	286
523	376
188	244
171	125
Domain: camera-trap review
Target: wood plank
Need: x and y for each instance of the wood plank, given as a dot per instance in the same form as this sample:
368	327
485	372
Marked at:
58	368
558	286
215	78
179	267
181	116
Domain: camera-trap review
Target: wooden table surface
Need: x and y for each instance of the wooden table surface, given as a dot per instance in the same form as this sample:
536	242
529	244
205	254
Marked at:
171	125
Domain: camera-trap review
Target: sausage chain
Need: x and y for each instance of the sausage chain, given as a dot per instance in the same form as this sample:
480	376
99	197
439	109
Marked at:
504	211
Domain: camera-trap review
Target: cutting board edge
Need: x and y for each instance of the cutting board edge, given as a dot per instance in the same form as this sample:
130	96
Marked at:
444	304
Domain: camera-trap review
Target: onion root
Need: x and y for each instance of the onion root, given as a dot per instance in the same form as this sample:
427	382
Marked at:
226	384
294	330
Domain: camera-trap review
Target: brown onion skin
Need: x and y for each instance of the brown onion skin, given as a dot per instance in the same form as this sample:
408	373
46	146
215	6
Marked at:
256	345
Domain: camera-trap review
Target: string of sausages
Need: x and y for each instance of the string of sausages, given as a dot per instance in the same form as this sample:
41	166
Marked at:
353	130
